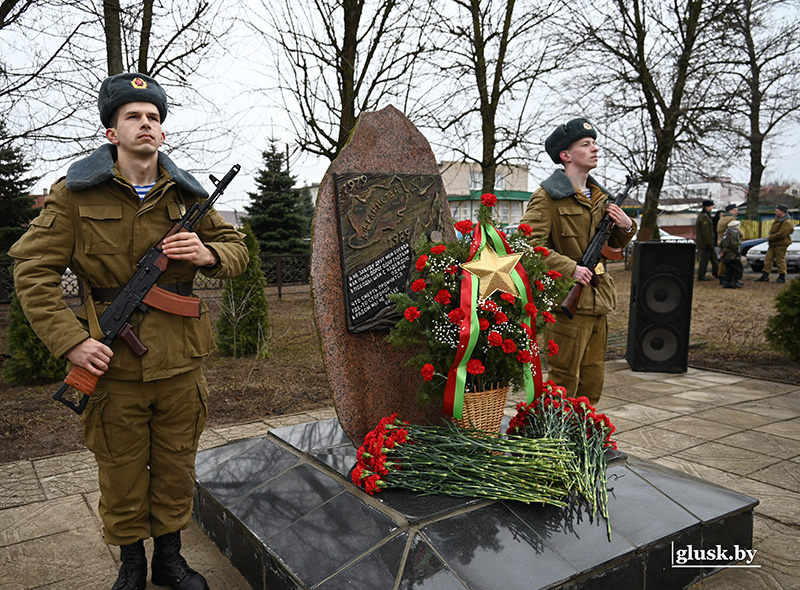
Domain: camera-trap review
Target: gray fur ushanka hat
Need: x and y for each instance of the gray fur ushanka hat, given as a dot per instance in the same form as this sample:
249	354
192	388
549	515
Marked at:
565	135
130	87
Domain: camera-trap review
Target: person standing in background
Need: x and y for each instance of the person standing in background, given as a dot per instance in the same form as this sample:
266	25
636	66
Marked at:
779	239
706	240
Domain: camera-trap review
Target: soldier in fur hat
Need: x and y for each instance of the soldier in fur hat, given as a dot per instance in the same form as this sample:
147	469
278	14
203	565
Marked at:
144	419
565	211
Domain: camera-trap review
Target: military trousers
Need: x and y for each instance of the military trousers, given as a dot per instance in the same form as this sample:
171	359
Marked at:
776	254
706	255
579	365
144	437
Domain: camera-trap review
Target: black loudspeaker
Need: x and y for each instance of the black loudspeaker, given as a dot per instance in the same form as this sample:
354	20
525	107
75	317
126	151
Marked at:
661	306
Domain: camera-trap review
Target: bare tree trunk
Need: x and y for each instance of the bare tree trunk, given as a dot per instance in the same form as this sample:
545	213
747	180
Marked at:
352	18
144	39
113	33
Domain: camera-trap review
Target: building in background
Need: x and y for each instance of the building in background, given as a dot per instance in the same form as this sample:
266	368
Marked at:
462	183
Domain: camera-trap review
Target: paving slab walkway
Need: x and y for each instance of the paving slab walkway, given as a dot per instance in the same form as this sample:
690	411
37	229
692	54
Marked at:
735	431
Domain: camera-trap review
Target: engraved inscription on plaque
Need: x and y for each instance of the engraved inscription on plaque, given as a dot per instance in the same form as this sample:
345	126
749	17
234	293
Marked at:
381	216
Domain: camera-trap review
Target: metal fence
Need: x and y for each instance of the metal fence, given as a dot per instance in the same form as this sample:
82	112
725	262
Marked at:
279	270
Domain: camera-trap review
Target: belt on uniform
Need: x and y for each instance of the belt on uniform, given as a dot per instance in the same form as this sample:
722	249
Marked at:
110	293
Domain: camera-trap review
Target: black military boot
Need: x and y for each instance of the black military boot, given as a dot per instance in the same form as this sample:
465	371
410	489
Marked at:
764	278
781	278
133	572
170	568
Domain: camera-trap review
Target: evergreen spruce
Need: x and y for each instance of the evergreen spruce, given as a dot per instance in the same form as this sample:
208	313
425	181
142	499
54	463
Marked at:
280	215
28	359
243	323
783	329
16	204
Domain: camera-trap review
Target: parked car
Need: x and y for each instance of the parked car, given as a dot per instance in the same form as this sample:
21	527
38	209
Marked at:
665	237
747	244
756	254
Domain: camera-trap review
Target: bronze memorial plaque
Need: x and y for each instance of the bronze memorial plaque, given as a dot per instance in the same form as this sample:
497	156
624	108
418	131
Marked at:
381	217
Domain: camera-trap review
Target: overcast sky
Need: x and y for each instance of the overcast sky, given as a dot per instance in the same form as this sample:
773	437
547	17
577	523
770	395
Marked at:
234	81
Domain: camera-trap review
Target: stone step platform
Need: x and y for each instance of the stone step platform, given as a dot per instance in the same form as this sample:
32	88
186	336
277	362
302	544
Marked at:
283	509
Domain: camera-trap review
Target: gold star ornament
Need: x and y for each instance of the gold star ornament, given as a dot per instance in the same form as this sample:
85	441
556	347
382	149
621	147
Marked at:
494	272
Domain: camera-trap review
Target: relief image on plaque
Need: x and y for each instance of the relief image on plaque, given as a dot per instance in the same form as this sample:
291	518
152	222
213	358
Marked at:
381	217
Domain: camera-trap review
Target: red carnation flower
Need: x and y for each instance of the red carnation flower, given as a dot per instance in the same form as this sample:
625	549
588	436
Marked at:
443	297
452	269
489	305
494	338
418	285
457	315
500	318
539	285
508	297
552	348
465	226
527	329
475	367
427	371
421	262
489	199
509	346
524	356
541	250
548	317
525	229
411	314
554	274
438	249
531	310
483	323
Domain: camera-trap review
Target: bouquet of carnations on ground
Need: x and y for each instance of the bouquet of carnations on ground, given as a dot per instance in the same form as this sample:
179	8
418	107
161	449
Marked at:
474	311
554	415
453	461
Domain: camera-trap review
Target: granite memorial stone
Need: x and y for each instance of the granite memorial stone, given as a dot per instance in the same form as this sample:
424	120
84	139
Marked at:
388	169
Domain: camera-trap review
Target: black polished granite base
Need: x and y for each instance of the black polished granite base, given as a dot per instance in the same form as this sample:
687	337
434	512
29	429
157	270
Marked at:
283	509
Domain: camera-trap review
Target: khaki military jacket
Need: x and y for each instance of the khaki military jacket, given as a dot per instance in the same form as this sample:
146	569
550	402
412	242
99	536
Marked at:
780	232
567	221
704	231
722	224
94	222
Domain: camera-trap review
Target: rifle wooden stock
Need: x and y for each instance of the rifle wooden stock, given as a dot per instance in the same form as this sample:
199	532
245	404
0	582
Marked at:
83	381
570	302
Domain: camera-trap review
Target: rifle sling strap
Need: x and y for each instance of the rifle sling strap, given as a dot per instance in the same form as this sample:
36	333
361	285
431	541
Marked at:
170	297
91	316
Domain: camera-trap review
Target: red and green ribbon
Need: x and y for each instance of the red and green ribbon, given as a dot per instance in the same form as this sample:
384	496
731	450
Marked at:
469	329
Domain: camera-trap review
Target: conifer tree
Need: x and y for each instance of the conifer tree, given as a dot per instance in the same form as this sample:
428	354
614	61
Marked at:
28	360
243	323
280	216
16	204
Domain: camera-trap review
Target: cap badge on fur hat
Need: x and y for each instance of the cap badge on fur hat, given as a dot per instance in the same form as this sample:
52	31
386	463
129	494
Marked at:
567	134
129	87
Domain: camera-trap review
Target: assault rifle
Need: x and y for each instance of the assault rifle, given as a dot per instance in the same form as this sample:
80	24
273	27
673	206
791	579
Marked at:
140	292
597	249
